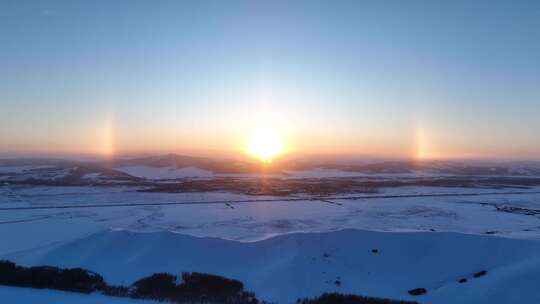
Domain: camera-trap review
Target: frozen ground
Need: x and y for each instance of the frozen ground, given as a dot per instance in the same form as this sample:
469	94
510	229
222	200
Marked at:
285	247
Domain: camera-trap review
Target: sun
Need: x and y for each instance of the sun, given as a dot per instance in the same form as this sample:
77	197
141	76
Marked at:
265	144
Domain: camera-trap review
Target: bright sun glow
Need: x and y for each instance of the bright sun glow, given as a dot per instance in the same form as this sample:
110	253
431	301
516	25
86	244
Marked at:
265	144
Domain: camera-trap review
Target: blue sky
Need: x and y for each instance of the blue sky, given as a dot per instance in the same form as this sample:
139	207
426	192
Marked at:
387	78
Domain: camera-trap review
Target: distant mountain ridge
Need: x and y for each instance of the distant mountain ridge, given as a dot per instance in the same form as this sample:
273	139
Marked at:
113	168
182	161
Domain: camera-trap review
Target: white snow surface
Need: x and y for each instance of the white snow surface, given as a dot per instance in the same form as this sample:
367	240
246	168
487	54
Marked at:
286	267
15	295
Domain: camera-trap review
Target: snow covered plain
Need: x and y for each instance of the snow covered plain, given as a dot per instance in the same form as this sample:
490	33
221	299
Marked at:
246	218
283	249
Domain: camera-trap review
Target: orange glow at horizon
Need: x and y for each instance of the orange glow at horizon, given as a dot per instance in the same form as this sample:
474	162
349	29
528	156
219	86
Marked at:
265	143
272	136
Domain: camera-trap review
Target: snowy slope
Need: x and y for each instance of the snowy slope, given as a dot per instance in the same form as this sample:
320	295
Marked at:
15	295
286	267
170	172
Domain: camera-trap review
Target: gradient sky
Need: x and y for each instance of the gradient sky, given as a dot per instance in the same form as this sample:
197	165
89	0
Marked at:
381	78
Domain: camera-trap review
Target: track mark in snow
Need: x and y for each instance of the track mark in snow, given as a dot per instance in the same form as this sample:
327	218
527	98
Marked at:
517	210
26	220
271	200
330	202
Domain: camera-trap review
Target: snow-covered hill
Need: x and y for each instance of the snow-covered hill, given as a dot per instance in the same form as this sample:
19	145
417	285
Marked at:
169	172
287	267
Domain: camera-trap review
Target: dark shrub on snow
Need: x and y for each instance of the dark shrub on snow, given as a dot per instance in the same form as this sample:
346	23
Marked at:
159	286
195	287
417	291
480	274
336	298
116	291
81	280
213	286
8	273
42	276
76	279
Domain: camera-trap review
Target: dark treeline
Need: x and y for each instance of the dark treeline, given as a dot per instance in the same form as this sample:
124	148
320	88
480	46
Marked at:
336	298
73	279
192	288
